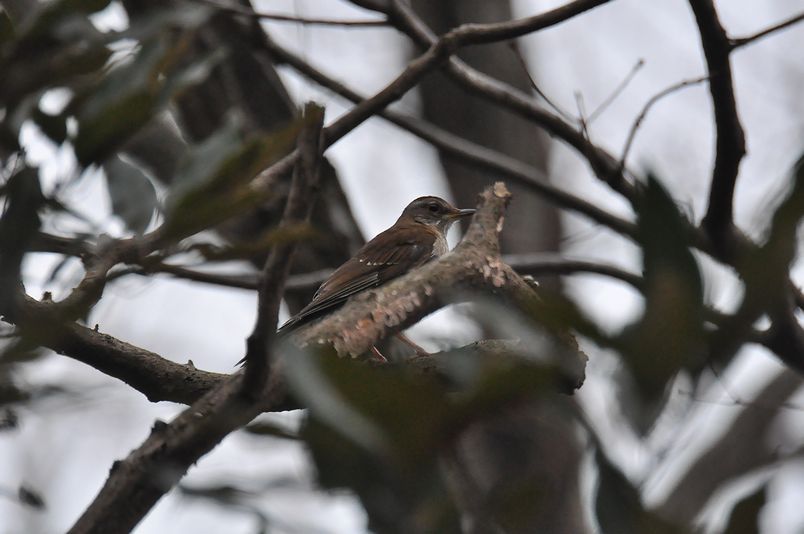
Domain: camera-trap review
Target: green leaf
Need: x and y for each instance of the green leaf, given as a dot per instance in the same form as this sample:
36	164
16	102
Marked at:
123	101
385	431
6	29
18	225
765	270
670	335
378	432
57	48
131	192
213	183
132	93
618	506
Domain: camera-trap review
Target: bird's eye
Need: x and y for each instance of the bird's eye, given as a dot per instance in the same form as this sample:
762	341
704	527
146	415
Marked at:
433	208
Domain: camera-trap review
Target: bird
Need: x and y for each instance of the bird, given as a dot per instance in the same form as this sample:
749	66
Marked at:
418	236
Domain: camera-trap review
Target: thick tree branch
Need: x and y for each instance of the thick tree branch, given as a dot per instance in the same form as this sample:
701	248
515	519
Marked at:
156	377
473	266
730	144
136	483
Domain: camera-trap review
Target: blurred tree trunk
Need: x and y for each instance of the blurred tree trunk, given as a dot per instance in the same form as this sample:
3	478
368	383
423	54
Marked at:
531	224
247	83
532	453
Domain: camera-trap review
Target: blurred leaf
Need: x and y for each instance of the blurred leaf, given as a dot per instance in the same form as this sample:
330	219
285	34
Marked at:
6	29
56	48
31	498
9	420
132	194
670	335
765	270
53	126
148	21
18	225
11	392
130	94
382	431
618	505
214	181
744	517
120	104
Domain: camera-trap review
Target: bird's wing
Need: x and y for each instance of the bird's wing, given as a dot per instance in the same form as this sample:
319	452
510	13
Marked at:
385	257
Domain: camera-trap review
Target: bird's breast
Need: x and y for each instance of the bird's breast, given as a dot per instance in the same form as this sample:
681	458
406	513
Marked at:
440	246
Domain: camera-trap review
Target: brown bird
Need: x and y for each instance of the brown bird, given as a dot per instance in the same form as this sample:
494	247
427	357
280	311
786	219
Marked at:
418	236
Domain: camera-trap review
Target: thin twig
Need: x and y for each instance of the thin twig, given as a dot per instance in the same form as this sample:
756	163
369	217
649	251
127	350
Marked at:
278	17
147	473
603	164
537	264
616	92
277	266
462	148
523	64
742	41
730	142
646	108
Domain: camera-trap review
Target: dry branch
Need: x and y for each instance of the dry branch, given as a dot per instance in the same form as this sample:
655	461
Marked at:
474	265
277	266
463	149
138	482
605	166
730	144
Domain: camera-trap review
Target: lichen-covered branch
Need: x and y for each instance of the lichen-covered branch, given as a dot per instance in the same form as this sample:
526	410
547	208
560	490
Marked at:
474	266
138	482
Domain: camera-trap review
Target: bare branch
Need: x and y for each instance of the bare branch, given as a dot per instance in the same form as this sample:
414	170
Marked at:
537	265
277	17
647	107
69	246
136	483
501	31
441	49
742	41
616	92
730	144
522	63
277	266
604	164
98	261
464	149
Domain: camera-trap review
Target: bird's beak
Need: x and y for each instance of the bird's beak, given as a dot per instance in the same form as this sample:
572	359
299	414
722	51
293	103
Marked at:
459	214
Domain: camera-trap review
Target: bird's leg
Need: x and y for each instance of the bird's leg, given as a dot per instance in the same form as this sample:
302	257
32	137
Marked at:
378	355
409	342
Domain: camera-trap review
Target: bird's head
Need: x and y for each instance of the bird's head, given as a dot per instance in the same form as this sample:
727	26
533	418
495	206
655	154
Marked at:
434	211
